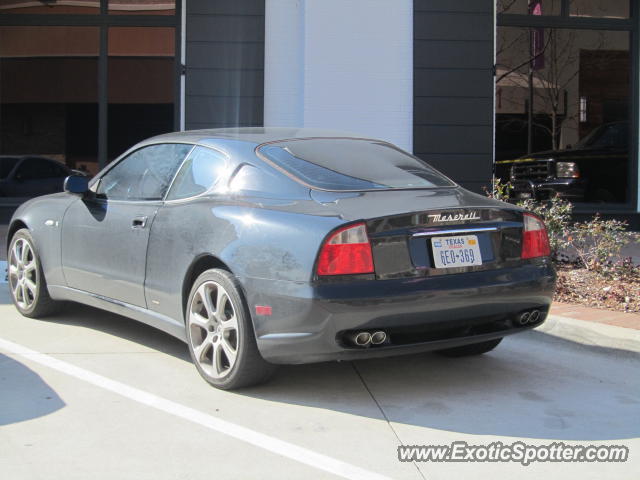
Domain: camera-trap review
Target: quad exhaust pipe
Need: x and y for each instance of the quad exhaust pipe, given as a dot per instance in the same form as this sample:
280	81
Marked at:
360	339
365	339
378	338
531	316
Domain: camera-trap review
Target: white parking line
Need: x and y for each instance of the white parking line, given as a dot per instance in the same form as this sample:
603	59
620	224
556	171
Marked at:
266	442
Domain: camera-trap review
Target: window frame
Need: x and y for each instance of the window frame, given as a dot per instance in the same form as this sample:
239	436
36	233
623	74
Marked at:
227	161
94	184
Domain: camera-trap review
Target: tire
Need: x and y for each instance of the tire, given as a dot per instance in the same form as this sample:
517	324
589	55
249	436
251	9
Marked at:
469	350
27	284
219	327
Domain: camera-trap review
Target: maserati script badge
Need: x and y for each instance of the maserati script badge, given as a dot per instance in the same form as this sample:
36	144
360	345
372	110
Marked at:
454	217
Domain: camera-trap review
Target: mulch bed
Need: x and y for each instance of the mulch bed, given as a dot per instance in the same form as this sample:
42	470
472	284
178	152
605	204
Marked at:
583	287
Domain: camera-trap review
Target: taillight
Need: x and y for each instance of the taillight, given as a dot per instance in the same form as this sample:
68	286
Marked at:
535	242
346	252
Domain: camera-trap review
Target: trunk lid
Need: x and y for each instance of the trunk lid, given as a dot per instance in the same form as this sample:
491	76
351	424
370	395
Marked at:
407	228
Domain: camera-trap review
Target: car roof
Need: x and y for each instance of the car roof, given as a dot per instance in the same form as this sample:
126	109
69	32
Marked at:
255	135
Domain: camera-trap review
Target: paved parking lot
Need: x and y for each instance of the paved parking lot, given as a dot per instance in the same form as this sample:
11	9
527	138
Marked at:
88	394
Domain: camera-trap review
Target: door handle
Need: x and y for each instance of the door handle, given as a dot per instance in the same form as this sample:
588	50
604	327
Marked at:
139	222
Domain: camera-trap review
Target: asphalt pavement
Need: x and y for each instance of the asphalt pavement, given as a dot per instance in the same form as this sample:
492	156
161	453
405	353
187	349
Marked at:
88	394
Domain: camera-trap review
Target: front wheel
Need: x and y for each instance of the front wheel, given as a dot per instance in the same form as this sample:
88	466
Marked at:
26	278
473	349
220	333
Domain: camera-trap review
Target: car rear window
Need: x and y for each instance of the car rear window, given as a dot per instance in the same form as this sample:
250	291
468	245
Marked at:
340	164
6	165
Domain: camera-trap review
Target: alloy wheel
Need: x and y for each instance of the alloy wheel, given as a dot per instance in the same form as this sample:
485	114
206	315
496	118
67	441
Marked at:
23	273
213	329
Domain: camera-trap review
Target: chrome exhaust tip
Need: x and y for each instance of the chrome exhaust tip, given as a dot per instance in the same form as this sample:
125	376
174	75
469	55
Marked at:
524	318
534	316
378	337
360	339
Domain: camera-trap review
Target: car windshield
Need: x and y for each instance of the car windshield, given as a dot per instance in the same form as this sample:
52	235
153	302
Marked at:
340	164
6	165
612	135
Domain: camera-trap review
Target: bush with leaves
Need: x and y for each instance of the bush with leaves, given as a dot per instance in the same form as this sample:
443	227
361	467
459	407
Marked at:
598	243
499	190
556	214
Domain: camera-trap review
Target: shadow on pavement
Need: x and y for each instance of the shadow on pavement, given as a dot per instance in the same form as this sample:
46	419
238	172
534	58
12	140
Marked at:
119	326
533	385
23	393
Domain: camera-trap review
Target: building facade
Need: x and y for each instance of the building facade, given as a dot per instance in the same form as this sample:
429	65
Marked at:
461	83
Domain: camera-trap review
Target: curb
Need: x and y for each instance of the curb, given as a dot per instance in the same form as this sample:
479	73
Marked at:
590	333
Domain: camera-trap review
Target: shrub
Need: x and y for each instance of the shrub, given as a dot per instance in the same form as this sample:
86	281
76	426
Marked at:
499	190
595	244
598	243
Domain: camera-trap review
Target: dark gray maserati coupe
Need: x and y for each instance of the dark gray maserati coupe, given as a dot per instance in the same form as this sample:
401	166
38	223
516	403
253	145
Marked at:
267	246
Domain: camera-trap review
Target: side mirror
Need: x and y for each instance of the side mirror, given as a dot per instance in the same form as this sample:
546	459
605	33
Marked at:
76	184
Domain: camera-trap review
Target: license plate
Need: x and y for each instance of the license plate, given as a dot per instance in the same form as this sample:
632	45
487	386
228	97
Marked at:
458	251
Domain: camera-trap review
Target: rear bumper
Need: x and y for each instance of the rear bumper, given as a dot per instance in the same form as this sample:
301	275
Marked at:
309	321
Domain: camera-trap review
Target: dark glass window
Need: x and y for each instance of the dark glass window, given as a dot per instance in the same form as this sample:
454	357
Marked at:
614	135
199	173
7	164
143	175
351	164
35	168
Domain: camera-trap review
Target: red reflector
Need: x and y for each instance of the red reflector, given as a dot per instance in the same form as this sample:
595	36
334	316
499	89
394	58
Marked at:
263	310
346	252
535	242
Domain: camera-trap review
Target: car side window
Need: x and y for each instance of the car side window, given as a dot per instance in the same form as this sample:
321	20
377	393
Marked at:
145	174
200	172
38	168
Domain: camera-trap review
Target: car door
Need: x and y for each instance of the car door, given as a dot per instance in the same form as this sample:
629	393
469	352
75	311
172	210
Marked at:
105	235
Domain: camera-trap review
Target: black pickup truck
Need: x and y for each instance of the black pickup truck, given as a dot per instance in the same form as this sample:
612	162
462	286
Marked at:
594	170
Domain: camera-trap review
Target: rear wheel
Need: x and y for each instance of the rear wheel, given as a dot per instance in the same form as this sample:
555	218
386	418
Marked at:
220	334
26	279
473	349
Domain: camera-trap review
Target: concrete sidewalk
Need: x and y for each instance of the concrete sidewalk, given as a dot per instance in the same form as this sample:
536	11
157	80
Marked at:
596	315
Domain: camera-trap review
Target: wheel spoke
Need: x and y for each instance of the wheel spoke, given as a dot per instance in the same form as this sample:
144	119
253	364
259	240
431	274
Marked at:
13	270
17	252
229	351
15	288
23	291
201	350
31	286
26	249
221	304
205	295
218	367
30	267
198	320
229	324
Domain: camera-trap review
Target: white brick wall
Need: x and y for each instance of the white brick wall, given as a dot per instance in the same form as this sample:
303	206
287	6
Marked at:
345	64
